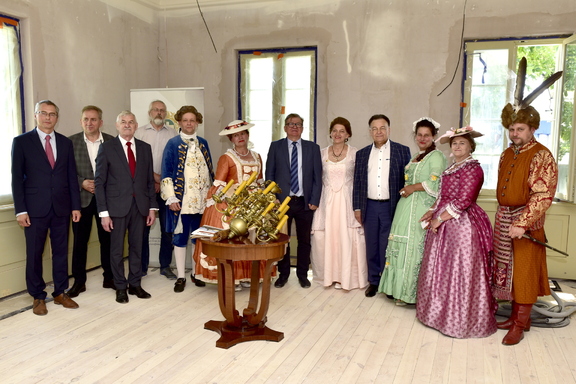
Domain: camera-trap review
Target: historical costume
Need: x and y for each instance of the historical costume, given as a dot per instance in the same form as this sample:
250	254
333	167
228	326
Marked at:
338	246
231	166
527	179
454	293
406	240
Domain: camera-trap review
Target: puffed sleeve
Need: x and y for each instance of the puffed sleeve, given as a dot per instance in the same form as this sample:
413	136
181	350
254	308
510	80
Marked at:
433	168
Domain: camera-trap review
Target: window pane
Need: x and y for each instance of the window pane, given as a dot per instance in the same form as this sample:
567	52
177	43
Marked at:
297	89
10	106
487	98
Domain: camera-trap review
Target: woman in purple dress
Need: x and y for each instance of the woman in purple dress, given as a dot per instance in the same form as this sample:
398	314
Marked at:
454	294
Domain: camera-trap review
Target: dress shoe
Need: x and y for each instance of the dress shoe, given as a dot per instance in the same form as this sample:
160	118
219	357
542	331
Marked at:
39	307
198	283
139	292
371	290
168	273
121	296
108	284
281	282
76	290
304	282
64	300
179	285
521	319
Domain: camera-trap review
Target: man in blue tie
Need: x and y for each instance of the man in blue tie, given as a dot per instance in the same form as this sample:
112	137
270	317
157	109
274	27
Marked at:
296	166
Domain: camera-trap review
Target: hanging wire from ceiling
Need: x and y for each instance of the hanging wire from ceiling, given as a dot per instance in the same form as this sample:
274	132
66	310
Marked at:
461	46
208	29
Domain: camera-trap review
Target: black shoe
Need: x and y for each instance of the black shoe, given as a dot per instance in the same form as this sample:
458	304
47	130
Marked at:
304	282
76	290
168	273
281	282
371	290
139	292
179	285
121	296
198	283
108	284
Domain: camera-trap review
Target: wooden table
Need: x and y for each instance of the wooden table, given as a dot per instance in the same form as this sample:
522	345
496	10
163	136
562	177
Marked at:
251	325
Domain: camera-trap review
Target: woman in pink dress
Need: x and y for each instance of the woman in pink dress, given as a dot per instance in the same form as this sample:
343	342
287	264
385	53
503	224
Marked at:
454	294
338	246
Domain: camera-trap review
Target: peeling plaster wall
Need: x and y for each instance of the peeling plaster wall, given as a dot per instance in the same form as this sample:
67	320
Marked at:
79	52
375	56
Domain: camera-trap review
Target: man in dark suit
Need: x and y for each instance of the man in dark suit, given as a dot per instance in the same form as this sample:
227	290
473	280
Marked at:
378	178
45	192
86	145
296	166
126	200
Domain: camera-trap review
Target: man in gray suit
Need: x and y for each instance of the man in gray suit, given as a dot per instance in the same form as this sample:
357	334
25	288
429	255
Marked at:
86	145
126	200
296	165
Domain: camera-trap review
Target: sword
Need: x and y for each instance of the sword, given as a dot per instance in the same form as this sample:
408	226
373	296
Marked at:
544	244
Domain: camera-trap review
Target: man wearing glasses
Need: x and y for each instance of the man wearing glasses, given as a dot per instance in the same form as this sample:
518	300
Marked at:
157	134
45	192
296	165
378	178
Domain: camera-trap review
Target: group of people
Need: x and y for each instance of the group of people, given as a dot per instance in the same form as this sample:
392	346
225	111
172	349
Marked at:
375	218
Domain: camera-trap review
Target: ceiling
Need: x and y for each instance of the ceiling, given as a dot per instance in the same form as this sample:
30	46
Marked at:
184	4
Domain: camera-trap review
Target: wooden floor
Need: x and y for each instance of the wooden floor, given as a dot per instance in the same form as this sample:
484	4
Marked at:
330	337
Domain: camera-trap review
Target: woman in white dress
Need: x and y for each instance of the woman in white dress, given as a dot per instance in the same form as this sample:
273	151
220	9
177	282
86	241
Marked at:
338	246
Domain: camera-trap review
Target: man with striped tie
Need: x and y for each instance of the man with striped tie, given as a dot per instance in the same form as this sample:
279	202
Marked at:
296	166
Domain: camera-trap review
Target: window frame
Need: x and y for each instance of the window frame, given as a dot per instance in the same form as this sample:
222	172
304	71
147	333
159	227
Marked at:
14	23
278	113
512	44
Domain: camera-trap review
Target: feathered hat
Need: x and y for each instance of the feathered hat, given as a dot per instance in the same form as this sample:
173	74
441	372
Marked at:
522	111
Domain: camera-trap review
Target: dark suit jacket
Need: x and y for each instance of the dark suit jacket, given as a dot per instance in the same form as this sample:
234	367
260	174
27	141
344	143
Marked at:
115	186
83	165
35	185
399	157
278	170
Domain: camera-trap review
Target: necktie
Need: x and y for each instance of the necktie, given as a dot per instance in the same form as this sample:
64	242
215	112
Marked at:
131	159
49	152
294	169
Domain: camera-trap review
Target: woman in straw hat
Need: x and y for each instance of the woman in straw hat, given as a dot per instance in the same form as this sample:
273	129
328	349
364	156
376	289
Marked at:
454	294
238	164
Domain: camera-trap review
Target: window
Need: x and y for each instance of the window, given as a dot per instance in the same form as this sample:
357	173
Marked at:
11	114
489	84
272	84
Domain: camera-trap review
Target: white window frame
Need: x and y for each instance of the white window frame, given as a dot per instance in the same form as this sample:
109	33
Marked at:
512	46
272	127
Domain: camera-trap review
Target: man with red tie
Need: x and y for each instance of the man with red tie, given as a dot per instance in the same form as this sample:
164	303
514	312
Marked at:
126	201
45	192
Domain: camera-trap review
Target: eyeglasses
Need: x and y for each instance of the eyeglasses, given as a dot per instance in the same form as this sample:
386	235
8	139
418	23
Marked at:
294	125
379	129
45	114
158	110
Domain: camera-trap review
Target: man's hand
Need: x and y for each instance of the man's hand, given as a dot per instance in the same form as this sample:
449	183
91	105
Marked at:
312	207
88	185
107	224
516	232
174	206
23	220
151	217
76	215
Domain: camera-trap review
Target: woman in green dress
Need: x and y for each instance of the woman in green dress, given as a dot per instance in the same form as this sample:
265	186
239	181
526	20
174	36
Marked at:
406	241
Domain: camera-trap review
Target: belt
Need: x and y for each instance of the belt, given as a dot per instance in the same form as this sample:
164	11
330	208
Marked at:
511	209
296	197
379	201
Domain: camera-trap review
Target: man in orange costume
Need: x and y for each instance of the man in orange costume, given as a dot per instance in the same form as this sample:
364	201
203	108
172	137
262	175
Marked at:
527	179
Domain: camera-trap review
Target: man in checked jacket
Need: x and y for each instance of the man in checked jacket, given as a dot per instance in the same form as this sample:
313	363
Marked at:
378	178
